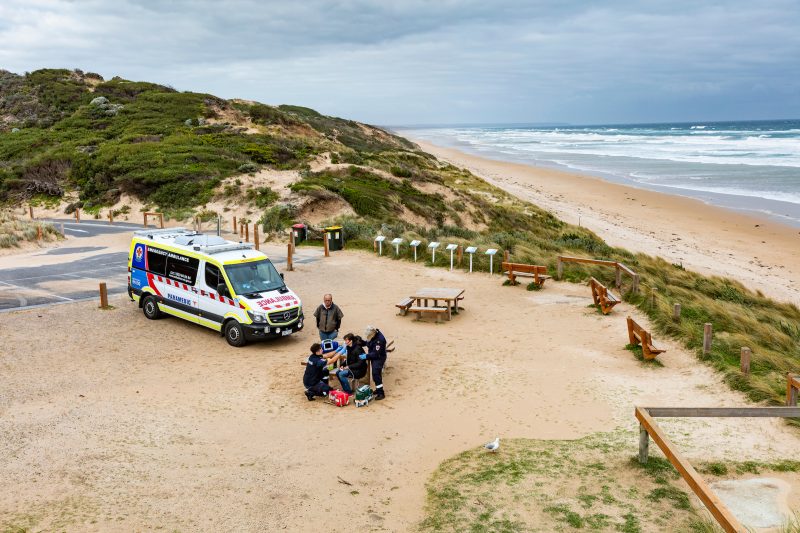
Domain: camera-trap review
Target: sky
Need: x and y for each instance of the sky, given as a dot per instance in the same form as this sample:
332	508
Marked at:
436	62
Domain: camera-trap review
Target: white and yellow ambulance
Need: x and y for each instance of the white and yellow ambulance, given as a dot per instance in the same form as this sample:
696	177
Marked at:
223	285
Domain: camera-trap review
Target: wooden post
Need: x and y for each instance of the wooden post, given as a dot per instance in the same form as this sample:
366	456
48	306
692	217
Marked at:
241	229
653	292
644	444
676	312
103	296
30	211
63	234
77	215
707	333
289	266
744	361
110	217
38	233
247	233
325	236
144	222
635	284
161	220
255	236
234	224
460	254
791	390
618	279
506	254
559	268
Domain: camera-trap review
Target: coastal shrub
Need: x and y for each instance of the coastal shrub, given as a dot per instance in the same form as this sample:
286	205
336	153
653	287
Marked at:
277	218
263	197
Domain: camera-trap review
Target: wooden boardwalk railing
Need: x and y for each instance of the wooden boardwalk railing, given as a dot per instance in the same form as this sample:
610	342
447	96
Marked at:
648	428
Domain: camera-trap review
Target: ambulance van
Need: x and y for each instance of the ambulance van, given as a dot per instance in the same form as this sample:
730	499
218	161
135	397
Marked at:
223	285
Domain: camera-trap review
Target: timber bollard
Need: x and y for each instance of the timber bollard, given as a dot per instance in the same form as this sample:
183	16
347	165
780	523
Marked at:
289	266
77	215
644	444
62	231
30	211
676	312
255	235
653	292
707	333
618	277
506	255
234	224
791	390
241	229
103	296
325	242
744	360
560	268
247	233
635	284
110	217
460	254
39	233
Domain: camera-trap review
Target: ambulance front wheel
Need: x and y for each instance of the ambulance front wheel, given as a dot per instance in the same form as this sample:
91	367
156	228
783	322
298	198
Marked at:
234	334
150	308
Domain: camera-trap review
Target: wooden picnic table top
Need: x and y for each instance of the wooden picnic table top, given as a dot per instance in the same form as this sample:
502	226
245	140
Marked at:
440	293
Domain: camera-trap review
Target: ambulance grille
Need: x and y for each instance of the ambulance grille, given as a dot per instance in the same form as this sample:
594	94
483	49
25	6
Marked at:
281	317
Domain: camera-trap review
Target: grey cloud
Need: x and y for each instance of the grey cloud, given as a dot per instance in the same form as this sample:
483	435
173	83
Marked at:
450	61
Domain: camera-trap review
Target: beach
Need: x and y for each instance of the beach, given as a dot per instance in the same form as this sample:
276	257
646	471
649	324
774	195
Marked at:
759	252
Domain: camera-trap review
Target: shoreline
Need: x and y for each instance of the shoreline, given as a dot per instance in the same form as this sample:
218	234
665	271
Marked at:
755	250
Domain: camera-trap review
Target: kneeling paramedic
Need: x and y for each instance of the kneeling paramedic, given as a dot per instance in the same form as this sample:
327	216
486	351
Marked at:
376	353
316	370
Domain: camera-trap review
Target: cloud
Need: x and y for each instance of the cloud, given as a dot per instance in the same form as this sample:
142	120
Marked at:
448	61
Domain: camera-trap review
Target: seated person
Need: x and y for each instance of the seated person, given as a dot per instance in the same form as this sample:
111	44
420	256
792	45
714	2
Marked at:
354	366
316	372
333	352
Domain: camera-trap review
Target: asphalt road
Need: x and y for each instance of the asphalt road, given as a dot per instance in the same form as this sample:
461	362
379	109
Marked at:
76	280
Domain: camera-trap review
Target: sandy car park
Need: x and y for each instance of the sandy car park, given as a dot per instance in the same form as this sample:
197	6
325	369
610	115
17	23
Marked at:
114	422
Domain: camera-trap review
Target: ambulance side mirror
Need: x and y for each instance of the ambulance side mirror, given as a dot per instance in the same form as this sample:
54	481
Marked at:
222	289
281	275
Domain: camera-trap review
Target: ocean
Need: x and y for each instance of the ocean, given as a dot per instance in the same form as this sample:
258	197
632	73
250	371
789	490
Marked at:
749	165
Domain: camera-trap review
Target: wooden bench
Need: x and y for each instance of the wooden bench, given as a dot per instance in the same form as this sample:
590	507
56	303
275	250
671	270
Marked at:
638	335
602	297
404	304
515	270
436	310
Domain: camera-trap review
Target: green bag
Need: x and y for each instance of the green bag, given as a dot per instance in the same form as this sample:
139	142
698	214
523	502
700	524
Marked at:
363	393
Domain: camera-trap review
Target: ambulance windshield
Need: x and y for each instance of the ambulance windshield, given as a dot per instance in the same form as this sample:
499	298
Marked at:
253	277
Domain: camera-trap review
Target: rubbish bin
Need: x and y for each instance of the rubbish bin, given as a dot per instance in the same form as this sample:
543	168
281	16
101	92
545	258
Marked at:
335	237
300	232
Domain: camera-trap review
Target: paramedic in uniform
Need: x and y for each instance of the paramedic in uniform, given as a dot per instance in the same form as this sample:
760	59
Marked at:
329	318
376	353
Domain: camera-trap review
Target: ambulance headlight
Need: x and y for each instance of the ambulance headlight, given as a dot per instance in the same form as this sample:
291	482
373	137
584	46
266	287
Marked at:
256	317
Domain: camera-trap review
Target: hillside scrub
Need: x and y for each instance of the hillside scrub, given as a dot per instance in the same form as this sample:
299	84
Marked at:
14	231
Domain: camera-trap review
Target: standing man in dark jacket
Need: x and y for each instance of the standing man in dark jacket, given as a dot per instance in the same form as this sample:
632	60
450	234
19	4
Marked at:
376	352
354	367
329	318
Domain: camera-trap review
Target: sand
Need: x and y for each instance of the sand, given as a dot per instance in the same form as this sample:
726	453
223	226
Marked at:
115	423
759	252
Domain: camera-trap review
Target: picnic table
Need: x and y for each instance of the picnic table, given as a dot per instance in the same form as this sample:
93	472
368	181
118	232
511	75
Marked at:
451	297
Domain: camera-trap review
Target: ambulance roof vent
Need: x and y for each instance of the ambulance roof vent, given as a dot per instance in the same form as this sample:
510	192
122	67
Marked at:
229	247
199	240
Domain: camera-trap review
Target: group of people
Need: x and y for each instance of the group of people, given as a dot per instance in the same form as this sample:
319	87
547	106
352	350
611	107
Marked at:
349	359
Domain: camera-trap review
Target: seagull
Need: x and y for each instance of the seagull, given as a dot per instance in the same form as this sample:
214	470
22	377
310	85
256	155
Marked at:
494	445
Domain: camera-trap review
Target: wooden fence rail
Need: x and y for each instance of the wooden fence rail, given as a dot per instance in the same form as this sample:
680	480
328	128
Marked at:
648	428
619	267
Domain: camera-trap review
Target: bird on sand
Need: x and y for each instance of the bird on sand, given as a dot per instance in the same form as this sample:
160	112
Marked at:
494	445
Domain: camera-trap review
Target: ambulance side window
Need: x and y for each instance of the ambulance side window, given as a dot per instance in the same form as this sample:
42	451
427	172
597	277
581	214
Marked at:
156	262
212	276
182	268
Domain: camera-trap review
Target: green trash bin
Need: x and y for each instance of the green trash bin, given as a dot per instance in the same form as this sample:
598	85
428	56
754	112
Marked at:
335	237
300	232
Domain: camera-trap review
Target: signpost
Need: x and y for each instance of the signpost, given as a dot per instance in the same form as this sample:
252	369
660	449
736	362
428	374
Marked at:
490	252
451	247
414	245
471	251
379	239
397	243
433	246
